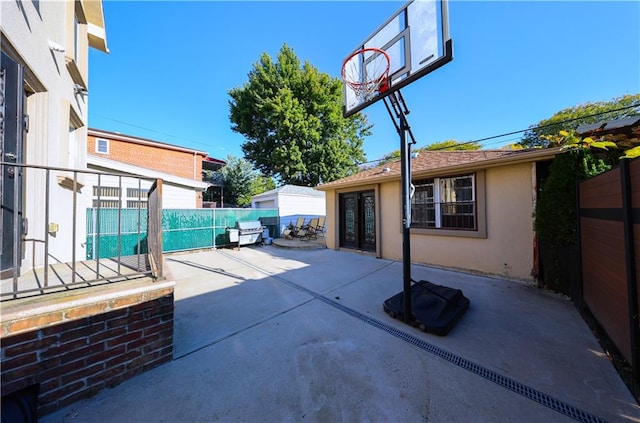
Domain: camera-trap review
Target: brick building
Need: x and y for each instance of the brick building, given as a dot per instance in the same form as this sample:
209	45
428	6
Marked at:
179	167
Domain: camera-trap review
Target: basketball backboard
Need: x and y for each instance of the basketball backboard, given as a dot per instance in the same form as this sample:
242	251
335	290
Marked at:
416	42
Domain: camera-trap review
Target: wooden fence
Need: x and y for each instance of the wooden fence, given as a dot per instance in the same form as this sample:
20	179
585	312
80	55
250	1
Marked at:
609	228
154	228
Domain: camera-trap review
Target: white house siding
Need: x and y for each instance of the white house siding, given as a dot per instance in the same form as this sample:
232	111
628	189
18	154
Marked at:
301	204
173	196
27	29
292	202
266	204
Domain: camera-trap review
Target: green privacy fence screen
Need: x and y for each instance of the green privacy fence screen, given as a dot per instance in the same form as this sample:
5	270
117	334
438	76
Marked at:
182	229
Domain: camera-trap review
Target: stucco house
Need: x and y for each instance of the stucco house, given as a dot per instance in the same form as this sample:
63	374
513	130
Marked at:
180	169
471	210
292	201
44	98
43	181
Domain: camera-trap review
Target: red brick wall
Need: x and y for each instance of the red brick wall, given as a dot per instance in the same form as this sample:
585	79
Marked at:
178	163
77	359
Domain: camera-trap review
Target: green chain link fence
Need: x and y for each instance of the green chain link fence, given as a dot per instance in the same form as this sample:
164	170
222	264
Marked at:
182	229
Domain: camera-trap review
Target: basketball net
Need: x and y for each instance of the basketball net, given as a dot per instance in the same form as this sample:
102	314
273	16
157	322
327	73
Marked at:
366	72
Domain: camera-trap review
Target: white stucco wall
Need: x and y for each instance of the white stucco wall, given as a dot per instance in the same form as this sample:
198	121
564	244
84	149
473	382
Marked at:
27	29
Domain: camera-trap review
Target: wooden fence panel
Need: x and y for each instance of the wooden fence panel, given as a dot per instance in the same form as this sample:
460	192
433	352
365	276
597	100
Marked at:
603	278
154	228
609	218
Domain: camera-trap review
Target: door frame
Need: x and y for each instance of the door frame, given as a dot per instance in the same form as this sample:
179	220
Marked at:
359	241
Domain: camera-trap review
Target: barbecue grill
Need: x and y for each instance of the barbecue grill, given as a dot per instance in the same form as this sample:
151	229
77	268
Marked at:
249	232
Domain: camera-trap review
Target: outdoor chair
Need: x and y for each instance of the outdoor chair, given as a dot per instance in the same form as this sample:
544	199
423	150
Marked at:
292	231
320	226
308	231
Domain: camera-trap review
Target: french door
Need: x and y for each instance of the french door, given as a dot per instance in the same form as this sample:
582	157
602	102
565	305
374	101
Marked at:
358	220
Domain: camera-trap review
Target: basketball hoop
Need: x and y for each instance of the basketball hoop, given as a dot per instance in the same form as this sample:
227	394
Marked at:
366	72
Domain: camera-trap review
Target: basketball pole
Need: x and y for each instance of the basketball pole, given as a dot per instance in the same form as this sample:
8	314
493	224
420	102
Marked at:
395	102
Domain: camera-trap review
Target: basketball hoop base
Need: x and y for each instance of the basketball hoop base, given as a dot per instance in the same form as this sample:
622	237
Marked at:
435	308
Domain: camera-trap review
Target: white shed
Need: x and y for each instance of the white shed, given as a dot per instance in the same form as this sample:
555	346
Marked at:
292	201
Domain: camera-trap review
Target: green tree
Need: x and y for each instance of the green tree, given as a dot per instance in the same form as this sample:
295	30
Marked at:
452	145
556	215
291	117
242	181
438	146
569	119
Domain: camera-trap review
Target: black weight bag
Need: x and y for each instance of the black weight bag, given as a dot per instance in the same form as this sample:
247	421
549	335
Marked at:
436	308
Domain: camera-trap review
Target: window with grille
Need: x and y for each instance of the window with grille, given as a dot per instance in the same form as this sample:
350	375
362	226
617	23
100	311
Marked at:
444	203
137	193
132	204
106	191
137	198
109	197
106	204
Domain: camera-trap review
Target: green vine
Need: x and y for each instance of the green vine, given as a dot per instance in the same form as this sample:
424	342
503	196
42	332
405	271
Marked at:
556	217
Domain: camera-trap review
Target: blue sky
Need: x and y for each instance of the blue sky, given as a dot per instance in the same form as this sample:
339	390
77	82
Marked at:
171	65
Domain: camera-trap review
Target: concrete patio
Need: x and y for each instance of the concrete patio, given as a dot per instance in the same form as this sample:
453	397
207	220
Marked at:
272	334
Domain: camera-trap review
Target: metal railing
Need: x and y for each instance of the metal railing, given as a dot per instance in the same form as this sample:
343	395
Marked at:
37	212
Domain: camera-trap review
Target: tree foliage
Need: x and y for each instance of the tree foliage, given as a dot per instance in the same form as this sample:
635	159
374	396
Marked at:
448	145
582	157
242	181
556	215
569	119
291	116
452	145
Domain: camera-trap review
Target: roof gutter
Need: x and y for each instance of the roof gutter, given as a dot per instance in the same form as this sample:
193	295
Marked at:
111	165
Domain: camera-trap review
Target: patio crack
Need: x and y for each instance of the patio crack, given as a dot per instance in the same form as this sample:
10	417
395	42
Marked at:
495	377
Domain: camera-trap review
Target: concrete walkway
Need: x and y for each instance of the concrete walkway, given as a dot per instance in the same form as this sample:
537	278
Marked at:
265	334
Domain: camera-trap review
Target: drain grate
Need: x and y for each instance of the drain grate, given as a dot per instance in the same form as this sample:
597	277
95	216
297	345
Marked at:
512	385
506	382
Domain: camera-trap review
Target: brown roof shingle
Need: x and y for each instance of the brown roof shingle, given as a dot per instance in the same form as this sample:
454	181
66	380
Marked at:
432	163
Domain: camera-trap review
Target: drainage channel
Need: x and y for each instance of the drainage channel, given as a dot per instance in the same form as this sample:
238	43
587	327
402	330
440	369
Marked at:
506	382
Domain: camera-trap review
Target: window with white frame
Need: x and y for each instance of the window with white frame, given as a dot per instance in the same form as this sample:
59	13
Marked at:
102	146
445	203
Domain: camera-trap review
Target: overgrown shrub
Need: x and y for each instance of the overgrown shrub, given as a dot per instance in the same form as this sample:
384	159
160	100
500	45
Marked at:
556	214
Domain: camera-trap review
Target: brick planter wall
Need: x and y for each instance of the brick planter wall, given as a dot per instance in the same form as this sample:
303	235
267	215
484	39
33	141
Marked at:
120	337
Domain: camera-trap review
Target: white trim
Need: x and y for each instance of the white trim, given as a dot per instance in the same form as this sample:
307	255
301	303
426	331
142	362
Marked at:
114	165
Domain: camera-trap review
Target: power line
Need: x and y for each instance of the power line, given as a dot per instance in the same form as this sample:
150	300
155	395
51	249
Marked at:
153	130
556	123
531	128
